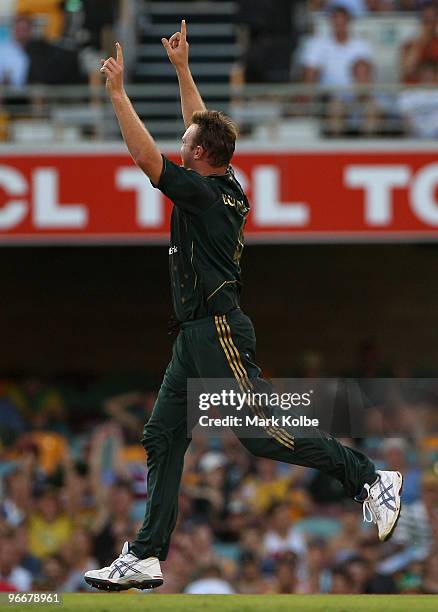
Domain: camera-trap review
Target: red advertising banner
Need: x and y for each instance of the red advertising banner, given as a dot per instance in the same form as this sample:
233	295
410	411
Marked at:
296	195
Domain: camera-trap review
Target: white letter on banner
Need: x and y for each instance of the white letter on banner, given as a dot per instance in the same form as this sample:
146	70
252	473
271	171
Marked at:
378	182
48	212
14	211
148	199
423	199
268	209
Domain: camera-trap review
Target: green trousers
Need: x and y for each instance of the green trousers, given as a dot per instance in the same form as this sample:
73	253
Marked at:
221	346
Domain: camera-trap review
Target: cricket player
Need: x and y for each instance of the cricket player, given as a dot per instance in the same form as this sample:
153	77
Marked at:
216	339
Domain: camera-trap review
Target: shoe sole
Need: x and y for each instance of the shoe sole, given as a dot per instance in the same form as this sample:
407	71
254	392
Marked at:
389	535
107	585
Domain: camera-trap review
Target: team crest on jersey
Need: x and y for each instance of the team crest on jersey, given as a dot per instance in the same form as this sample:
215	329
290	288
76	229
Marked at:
173	249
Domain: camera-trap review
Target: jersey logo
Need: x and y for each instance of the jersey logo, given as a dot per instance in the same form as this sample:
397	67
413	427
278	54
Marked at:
173	249
238	204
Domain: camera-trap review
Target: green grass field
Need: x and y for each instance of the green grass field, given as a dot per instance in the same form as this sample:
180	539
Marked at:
124	602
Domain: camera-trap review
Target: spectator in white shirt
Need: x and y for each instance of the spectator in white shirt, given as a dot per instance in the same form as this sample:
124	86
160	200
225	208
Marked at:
328	59
287	539
282	537
210	582
419	105
14	60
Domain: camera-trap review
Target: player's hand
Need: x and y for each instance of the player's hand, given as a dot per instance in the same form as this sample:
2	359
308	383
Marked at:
177	47
113	70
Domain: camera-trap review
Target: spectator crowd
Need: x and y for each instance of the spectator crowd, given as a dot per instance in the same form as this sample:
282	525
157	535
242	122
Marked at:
51	41
341	59
73	485
360	88
324	43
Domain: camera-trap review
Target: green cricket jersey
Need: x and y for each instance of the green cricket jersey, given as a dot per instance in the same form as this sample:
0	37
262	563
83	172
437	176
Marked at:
206	240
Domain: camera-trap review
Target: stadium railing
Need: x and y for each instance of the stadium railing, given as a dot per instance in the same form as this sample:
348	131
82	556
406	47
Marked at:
77	113
64	113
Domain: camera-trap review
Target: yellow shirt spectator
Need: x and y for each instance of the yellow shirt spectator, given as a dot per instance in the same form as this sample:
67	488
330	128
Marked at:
51	12
49	527
261	495
47	538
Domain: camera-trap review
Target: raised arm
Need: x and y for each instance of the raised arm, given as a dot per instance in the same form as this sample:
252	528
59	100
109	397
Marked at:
177	49
140	143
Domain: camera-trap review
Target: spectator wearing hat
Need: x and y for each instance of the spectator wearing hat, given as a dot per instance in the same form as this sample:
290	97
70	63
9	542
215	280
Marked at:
209	494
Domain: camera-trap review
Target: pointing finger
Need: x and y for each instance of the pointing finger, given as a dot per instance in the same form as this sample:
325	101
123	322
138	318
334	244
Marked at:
119	53
183	29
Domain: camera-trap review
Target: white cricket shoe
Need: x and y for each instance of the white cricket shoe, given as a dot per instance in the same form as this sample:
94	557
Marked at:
383	505
127	572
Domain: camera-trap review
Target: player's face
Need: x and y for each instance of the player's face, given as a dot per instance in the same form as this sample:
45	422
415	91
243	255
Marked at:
189	151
